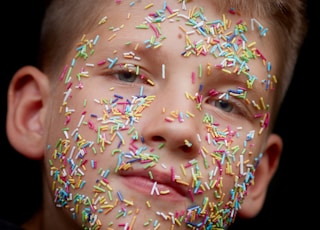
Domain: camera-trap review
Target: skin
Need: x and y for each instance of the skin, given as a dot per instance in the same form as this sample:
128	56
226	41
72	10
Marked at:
43	124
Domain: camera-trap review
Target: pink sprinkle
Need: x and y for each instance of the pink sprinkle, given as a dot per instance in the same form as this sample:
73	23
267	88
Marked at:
69	85
193	77
172	174
154	29
101	62
63	74
191	195
169	9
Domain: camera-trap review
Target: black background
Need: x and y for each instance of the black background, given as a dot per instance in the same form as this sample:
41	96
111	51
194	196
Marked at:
292	201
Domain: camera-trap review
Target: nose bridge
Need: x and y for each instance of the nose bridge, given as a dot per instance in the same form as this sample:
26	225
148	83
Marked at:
175	120
179	93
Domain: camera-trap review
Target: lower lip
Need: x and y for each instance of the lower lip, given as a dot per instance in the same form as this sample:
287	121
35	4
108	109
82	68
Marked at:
144	186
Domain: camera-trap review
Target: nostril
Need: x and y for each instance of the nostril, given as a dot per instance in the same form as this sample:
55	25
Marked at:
186	149
158	139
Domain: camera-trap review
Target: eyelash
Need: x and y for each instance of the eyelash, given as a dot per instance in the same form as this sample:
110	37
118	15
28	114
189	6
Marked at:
138	78
237	107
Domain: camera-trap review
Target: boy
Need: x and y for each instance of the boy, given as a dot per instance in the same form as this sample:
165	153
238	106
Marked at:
155	115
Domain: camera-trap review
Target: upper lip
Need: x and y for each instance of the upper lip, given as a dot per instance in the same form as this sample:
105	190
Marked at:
160	177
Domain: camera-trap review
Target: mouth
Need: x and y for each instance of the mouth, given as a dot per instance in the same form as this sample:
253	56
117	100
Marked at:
160	186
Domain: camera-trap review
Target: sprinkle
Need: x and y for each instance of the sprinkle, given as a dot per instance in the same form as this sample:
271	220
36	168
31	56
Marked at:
169	119
164	192
183	170
103	20
172	174
120	196
148	6
150	175
187	143
112	37
163	71
154	188
132	223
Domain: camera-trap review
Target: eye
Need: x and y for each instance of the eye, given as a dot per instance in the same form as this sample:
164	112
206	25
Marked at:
126	76
133	76
228	104
224	105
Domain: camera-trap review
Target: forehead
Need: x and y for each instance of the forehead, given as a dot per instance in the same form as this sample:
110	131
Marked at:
195	28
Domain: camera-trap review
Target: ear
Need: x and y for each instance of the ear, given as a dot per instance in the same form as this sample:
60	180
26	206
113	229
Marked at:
27	94
266	169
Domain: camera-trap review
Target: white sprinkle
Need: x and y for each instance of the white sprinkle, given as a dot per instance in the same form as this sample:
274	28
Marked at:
163	71
241	164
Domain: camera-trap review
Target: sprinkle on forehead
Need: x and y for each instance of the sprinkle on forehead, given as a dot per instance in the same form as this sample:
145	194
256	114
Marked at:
74	155
219	40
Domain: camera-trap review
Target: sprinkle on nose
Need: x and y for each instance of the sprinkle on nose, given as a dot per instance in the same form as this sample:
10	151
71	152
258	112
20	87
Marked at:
187	143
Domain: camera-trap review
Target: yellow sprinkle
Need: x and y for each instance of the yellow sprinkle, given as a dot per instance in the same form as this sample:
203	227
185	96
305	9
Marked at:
103	20
190	114
98	189
132	222
108	210
165	192
208	69
177	222
112	37
262	102
182	182
150	82
128	202
157	227
53	186
187	95
173	15
226	71
150	175
183	170
148	6
157	46
109	187
181	28
275	79
106	206
224	21
174	114
251	44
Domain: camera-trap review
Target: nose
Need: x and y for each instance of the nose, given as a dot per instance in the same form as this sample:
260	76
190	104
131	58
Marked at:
172	122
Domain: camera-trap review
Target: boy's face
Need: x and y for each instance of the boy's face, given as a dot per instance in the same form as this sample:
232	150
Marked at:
160	119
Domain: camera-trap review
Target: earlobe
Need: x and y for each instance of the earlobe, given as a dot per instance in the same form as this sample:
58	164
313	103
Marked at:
265	171
27	93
